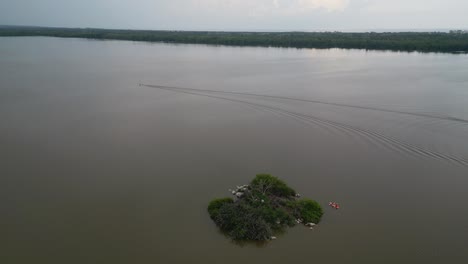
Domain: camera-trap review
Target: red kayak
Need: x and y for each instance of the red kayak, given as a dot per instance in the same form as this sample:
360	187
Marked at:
334	205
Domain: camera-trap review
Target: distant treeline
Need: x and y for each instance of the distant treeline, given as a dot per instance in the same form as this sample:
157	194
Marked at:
403	41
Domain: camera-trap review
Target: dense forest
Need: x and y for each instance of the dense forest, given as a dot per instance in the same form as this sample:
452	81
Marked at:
454	42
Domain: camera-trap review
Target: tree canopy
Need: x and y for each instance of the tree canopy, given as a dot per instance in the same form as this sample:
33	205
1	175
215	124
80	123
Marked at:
402	41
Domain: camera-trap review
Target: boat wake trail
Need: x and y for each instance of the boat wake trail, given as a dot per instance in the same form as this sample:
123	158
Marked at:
433	116
389	142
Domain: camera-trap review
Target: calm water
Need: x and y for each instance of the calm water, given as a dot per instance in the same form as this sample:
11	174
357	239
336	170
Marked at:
97	169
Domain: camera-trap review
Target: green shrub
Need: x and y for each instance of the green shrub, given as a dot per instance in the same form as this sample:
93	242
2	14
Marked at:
310	211
270	185
216	204
277	217
242	222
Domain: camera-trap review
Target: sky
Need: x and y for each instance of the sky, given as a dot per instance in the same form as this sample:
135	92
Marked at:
238	15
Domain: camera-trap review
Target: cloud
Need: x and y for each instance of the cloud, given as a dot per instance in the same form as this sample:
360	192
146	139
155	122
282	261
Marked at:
272	7
413	6
255	15
331	5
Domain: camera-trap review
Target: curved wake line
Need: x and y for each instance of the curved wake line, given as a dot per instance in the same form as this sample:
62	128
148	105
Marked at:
447	118
388	141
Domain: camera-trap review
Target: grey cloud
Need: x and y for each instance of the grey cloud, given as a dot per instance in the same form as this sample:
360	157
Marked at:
238	14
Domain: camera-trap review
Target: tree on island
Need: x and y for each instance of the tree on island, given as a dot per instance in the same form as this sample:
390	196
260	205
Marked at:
266	206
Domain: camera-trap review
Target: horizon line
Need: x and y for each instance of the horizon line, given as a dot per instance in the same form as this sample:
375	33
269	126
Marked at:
376	30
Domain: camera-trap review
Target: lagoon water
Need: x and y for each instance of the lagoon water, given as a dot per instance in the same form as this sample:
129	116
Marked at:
96	168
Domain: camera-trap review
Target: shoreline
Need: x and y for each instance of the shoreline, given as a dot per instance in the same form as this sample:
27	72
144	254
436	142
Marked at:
424	42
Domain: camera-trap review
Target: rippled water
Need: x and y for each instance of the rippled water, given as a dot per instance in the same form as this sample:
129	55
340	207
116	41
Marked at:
111	150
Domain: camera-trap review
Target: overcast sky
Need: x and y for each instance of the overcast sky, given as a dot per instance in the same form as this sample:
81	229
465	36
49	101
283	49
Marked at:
273	15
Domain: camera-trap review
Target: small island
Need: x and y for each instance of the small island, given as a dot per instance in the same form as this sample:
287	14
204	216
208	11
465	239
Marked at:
261	209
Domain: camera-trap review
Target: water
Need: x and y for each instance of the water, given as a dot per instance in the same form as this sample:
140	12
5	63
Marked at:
96	168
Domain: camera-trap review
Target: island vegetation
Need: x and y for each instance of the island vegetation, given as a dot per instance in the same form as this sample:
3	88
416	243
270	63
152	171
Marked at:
264	207
454	41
